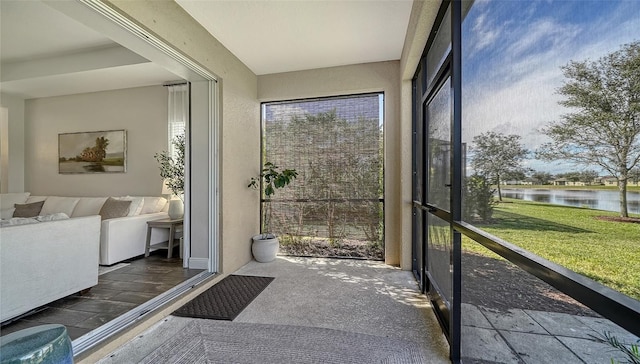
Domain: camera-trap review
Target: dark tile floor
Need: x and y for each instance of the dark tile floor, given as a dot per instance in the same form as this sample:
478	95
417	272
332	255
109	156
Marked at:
117	292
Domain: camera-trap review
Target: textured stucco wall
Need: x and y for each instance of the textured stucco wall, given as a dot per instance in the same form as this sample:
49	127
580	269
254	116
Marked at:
239	117
354	79
423	15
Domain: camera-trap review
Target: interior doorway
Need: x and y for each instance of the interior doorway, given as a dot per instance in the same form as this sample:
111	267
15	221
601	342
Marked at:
201	178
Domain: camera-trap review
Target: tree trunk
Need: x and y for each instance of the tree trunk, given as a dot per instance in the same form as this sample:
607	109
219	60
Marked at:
622	186
499	191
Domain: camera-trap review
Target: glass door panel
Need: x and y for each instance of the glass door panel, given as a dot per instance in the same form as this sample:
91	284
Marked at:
437	119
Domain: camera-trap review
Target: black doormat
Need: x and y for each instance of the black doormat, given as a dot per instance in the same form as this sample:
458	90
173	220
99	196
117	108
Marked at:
226	299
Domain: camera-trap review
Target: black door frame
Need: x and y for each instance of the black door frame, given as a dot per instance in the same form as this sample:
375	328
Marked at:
448	312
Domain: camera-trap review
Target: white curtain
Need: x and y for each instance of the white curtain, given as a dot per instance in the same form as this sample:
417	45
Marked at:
178	113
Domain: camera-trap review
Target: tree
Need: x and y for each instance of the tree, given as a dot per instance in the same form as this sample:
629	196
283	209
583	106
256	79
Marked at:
519	175
96	153
634	175
588	176
604	126
541	178
496	155
570	176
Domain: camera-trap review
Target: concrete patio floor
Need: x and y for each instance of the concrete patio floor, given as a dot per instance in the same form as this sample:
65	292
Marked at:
528	336
351	295
373	298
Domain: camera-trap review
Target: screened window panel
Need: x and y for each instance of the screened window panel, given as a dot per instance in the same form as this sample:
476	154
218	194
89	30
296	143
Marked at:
336	146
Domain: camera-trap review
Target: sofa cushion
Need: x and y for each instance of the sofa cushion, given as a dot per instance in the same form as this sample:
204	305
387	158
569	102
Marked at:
153	205
36	199
54	217
33	220
136	204
88	206
55	204
7	213
18	221
28	209
7	200
113	208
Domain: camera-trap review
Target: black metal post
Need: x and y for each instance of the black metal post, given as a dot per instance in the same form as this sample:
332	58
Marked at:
456	175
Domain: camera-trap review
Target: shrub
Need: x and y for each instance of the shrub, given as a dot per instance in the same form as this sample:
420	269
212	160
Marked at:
479	198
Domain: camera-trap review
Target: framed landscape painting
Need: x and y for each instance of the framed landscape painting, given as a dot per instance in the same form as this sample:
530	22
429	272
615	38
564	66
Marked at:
92	152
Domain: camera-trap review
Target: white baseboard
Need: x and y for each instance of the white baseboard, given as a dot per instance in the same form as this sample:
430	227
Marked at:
198	263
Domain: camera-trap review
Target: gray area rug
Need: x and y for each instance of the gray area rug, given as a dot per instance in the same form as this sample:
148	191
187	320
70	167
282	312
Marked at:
208	341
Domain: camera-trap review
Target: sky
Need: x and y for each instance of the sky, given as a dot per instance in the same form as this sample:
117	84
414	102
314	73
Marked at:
512	54
73	144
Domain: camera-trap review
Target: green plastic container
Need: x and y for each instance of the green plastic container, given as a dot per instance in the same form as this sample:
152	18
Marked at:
45	344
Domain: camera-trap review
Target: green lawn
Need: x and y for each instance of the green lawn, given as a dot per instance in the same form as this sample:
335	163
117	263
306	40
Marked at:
608	252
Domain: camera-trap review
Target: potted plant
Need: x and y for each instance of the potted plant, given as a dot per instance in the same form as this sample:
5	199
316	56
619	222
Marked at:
172	172
265	245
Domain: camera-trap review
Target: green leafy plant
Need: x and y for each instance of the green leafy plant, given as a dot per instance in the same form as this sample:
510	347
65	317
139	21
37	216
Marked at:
479	200
172	171
271	179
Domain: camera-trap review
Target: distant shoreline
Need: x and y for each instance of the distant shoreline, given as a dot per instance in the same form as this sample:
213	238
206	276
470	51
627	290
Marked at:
552	187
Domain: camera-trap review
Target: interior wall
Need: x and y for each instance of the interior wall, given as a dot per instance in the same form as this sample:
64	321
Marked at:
239	116
15	148
354	79
4	149
141	111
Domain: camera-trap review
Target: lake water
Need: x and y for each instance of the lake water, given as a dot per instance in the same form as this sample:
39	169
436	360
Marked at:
594	199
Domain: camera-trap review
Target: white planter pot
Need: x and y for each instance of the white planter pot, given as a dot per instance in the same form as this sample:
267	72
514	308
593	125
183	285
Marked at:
176	209
265	250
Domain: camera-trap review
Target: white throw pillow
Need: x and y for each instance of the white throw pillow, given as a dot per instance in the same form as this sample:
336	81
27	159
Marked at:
18	221
88	206
55	204
153	205
7	200
53	217
136	206
6	213
33	199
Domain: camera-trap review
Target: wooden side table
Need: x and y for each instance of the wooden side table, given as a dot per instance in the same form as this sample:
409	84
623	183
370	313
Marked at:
172	225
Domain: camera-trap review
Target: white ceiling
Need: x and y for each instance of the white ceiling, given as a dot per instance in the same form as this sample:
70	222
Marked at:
30	29
45	53
272	36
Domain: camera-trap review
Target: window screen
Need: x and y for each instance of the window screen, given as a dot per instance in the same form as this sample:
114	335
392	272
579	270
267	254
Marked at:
335	206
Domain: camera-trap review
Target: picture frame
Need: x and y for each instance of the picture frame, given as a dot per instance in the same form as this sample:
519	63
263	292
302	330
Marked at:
92	152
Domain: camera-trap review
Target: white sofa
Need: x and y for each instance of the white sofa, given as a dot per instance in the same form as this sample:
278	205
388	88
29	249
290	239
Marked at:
120	238
45	261
125	237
